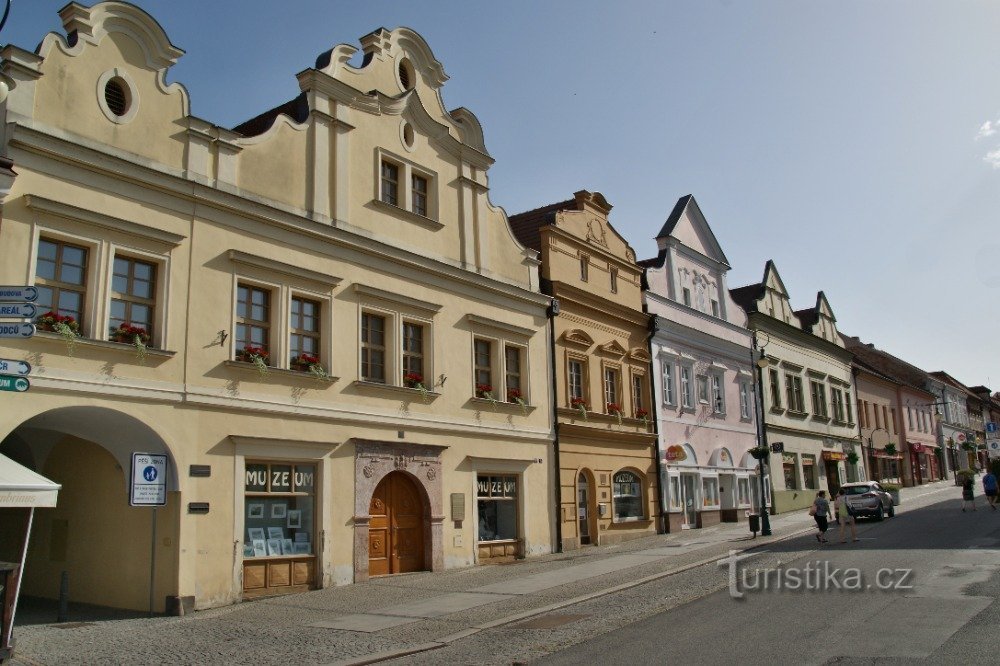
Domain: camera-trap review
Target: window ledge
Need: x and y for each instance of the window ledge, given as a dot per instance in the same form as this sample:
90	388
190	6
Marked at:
797	414
620	521
433	225
409	393
277	373
104	344
501	405
819	417
777	410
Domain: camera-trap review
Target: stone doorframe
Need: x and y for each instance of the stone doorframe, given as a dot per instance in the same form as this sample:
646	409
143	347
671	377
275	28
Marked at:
373	461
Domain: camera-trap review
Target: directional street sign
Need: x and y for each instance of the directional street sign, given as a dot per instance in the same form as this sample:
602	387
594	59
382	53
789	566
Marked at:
23	294
16	330
991	426
19	384
19	310
11	367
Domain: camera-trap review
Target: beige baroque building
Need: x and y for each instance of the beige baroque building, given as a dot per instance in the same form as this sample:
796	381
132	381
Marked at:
608	480
323	287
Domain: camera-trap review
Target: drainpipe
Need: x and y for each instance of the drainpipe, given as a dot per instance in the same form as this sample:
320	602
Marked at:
551	312
654	414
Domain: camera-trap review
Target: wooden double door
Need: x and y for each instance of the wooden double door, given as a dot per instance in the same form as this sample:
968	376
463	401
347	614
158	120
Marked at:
396	529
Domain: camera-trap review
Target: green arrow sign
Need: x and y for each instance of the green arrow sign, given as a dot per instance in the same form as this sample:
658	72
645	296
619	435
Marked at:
19	384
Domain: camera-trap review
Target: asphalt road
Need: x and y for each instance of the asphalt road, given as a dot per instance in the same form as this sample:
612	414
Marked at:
935	601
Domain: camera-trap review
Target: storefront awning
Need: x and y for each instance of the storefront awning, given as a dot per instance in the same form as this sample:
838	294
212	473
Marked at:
20	487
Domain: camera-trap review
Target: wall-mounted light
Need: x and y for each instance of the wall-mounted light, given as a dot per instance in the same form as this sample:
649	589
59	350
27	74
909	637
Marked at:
222	335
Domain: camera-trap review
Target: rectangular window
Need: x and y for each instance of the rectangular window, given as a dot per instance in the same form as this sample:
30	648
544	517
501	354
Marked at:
775	389
687	296
744	491
744	400
703	389
848	408
863	414
133	289
413	354
390	183
687	391
878	417
512	359
715	308
791	480
637	402
837	397
279	506
627	494
667	369
253	320
909	417
614	280
61	279
895	427
419	194
809	472
496	503
718	396
818	393
584	267
576	379
793	389
483	352
304	338
372	348
885	417
612	387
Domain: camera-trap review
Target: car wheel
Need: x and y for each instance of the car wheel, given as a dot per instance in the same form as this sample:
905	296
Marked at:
892	511
880	514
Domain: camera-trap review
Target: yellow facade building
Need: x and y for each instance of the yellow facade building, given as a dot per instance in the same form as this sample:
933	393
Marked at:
608	480
297	312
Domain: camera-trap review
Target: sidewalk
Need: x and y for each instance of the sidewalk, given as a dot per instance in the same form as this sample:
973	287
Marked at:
398	615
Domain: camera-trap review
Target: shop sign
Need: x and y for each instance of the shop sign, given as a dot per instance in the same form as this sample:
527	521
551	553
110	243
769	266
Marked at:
834	455
676	453
788	458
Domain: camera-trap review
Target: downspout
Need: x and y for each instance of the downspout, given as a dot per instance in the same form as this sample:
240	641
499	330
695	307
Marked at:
654	413
551	312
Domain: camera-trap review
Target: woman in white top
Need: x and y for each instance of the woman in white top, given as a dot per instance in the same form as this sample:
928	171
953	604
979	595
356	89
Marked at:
844	516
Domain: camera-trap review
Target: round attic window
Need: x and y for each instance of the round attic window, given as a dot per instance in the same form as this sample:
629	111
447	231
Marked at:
406	75
116	96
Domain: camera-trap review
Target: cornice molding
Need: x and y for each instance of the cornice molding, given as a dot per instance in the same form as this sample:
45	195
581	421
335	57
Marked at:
59	209
247	259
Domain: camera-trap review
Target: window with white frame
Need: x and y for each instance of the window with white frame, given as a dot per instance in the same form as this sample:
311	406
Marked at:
818	392
513	362
638	395
775	386
373	347
745	400
413	354
687	387
500	360
793	391
304	332
405	186
482	354
133	297
576	370
612	389
703	389
253	322
396	340
667	373
710	492
718	394
837	398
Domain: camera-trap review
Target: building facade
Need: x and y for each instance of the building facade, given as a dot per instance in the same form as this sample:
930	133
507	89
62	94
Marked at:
961	425
911	406
703	376
808	394
297	312
608	484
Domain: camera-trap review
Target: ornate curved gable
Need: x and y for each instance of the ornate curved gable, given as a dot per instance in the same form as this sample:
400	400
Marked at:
577	338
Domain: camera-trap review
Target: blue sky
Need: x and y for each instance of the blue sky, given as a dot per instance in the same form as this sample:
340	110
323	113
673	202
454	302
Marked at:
837	138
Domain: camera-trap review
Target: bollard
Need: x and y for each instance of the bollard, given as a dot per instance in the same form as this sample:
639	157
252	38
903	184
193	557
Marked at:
63	597
754	524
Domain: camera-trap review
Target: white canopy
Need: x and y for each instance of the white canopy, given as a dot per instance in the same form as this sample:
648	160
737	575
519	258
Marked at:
19	486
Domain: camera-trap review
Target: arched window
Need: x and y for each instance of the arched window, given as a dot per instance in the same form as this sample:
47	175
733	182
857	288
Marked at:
627	491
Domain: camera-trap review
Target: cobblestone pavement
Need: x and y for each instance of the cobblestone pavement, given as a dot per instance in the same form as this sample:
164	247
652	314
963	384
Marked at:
636	579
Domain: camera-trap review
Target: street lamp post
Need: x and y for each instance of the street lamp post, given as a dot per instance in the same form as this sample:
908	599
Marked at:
760	362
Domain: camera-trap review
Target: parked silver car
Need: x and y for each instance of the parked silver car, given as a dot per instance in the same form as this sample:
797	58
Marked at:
868	499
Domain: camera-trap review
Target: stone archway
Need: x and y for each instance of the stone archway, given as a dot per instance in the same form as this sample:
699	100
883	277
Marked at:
92	534
421	463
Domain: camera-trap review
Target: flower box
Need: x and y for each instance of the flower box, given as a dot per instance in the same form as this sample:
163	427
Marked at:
413	380
126	333
49	321
484	391
248	354
302	362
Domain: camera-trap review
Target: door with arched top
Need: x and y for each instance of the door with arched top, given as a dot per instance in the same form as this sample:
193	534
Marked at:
396	529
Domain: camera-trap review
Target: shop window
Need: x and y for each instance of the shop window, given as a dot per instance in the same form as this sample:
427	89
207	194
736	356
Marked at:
675	493
61	278
133	295
372	347
496	501
279	505
743	489
791	478
710	491
253	321
627	494
809	473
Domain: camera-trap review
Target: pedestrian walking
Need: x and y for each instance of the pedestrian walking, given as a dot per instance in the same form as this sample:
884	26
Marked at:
968	490
820	511
845	517
990	489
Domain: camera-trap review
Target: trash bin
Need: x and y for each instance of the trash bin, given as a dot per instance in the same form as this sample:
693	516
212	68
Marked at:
754	523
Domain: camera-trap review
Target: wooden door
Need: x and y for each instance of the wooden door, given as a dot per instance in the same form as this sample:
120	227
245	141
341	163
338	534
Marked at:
396	529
